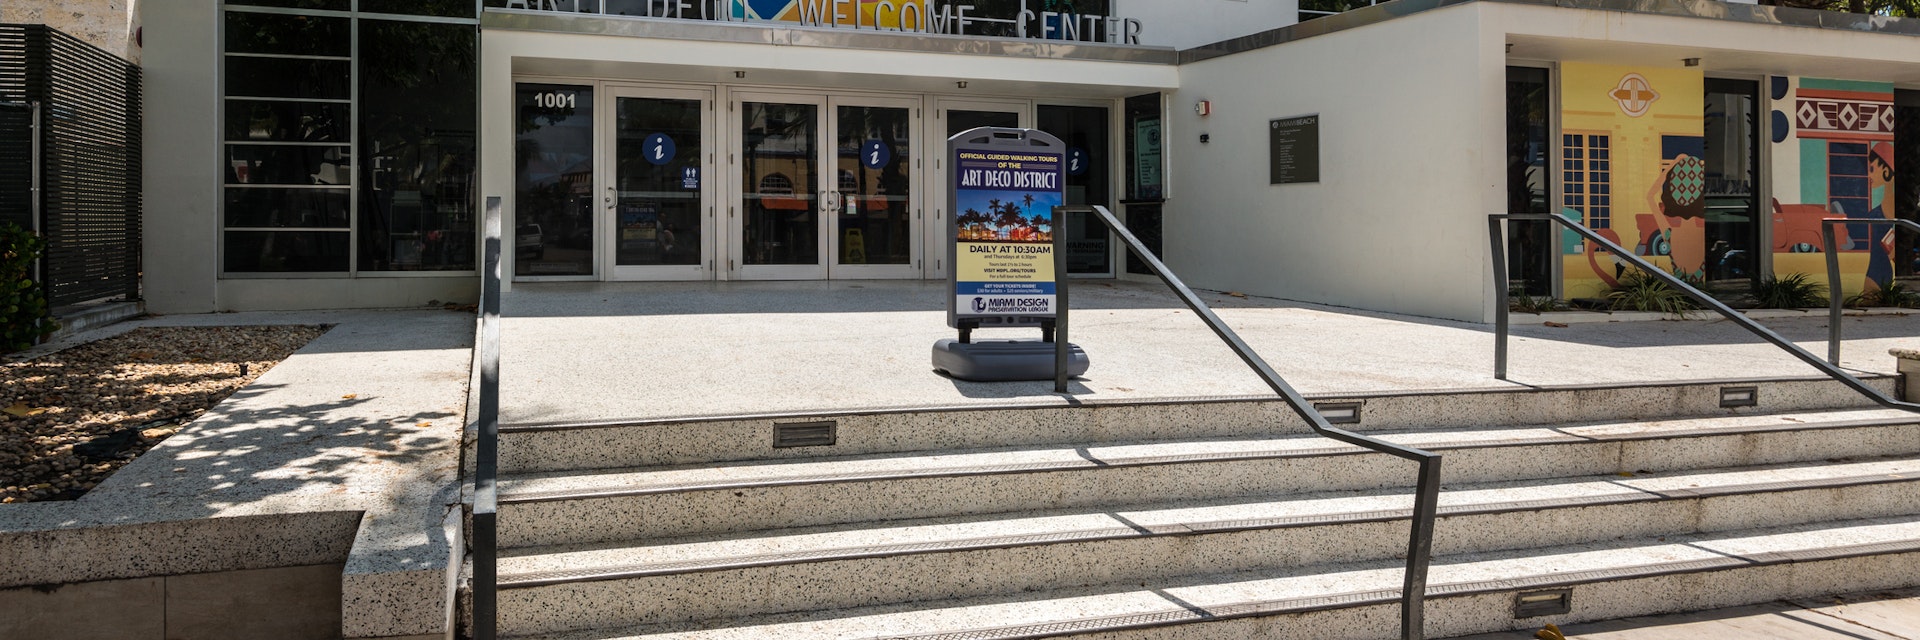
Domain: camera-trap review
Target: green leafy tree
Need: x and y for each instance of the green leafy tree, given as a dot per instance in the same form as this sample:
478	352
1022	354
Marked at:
24	315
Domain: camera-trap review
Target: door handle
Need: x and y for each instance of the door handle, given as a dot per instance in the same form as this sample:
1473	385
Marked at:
610	194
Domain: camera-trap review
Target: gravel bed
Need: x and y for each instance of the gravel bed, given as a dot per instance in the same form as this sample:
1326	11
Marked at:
71	418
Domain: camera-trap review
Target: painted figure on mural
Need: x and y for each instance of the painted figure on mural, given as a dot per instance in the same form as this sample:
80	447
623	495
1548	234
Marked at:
1880	246
1679	199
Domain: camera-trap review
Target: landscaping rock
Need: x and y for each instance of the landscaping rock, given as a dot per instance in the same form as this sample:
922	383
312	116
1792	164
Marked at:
75	416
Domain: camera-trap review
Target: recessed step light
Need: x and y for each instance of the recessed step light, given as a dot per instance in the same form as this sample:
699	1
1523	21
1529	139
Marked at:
804	434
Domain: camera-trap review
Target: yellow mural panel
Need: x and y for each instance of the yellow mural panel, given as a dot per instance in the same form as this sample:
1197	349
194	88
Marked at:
1631	168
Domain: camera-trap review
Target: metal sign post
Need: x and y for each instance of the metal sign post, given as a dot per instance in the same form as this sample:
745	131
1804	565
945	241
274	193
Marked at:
1005	184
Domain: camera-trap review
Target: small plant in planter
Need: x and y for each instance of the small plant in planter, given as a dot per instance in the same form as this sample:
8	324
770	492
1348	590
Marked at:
1895	294
24	316
1638	291
1791	291
1535	304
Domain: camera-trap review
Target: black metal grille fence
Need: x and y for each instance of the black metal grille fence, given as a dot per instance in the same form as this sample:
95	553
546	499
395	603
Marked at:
87	104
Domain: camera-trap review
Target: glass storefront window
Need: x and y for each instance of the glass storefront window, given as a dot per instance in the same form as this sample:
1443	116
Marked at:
447	8
281	34
286	251
283	121
329	5
292	202
1530	245
417	135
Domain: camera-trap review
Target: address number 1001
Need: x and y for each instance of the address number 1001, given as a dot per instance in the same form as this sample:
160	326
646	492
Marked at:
554	100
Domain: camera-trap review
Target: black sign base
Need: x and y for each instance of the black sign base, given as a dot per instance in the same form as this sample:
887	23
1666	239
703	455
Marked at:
1003	360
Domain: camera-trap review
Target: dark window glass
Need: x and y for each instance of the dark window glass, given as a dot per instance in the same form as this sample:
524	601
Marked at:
272	120
958	121
553	195
1906	179
778	182
417	135
292	164
657	210
286	251
287	78
1530	245
873	156
1145	161
286	207
1084	129
449	8
330	5
1732	145
288	35
577	6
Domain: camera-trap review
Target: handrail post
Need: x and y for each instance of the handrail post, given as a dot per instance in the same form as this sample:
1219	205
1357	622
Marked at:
1495	227
1833	272
1062	352
1426	508
1426	505
1833	290
487	445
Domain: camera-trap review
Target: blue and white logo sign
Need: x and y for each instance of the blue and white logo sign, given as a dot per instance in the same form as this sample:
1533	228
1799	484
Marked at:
658	148
875	154
690	178
1076	161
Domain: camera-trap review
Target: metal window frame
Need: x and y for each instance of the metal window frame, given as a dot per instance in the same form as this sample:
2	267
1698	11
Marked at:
354	15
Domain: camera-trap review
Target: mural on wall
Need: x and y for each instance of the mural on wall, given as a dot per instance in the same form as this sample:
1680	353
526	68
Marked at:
1832	158
1631	169
896	14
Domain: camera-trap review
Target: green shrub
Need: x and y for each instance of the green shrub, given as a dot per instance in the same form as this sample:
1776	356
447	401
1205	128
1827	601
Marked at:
1895	294
1792	291
1641	292
1535	304
24	316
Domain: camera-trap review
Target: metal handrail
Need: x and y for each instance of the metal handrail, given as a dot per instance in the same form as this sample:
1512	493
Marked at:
1833	274
486	494
1427	493
1495	229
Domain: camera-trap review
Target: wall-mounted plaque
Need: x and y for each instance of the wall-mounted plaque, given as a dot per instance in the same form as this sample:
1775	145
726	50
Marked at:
1293	148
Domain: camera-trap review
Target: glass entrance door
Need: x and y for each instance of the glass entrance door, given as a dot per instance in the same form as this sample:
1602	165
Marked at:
658	205
826	187
1733	206
777	171
553	181
954	117
873	232
1084	129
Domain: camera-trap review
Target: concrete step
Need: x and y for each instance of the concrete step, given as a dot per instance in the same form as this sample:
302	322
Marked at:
552	588
1467	593
564	507
630	443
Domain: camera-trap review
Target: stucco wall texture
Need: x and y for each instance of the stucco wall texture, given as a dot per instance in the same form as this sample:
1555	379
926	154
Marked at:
109	24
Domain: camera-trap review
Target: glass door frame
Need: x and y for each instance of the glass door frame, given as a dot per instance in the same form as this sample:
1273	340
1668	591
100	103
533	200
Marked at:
1760	157
511	226
826	104
1116	152
736	226
916	185
607	164
936	228
1555	187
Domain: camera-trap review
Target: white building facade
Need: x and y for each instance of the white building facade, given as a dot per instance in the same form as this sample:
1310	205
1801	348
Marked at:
335	153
